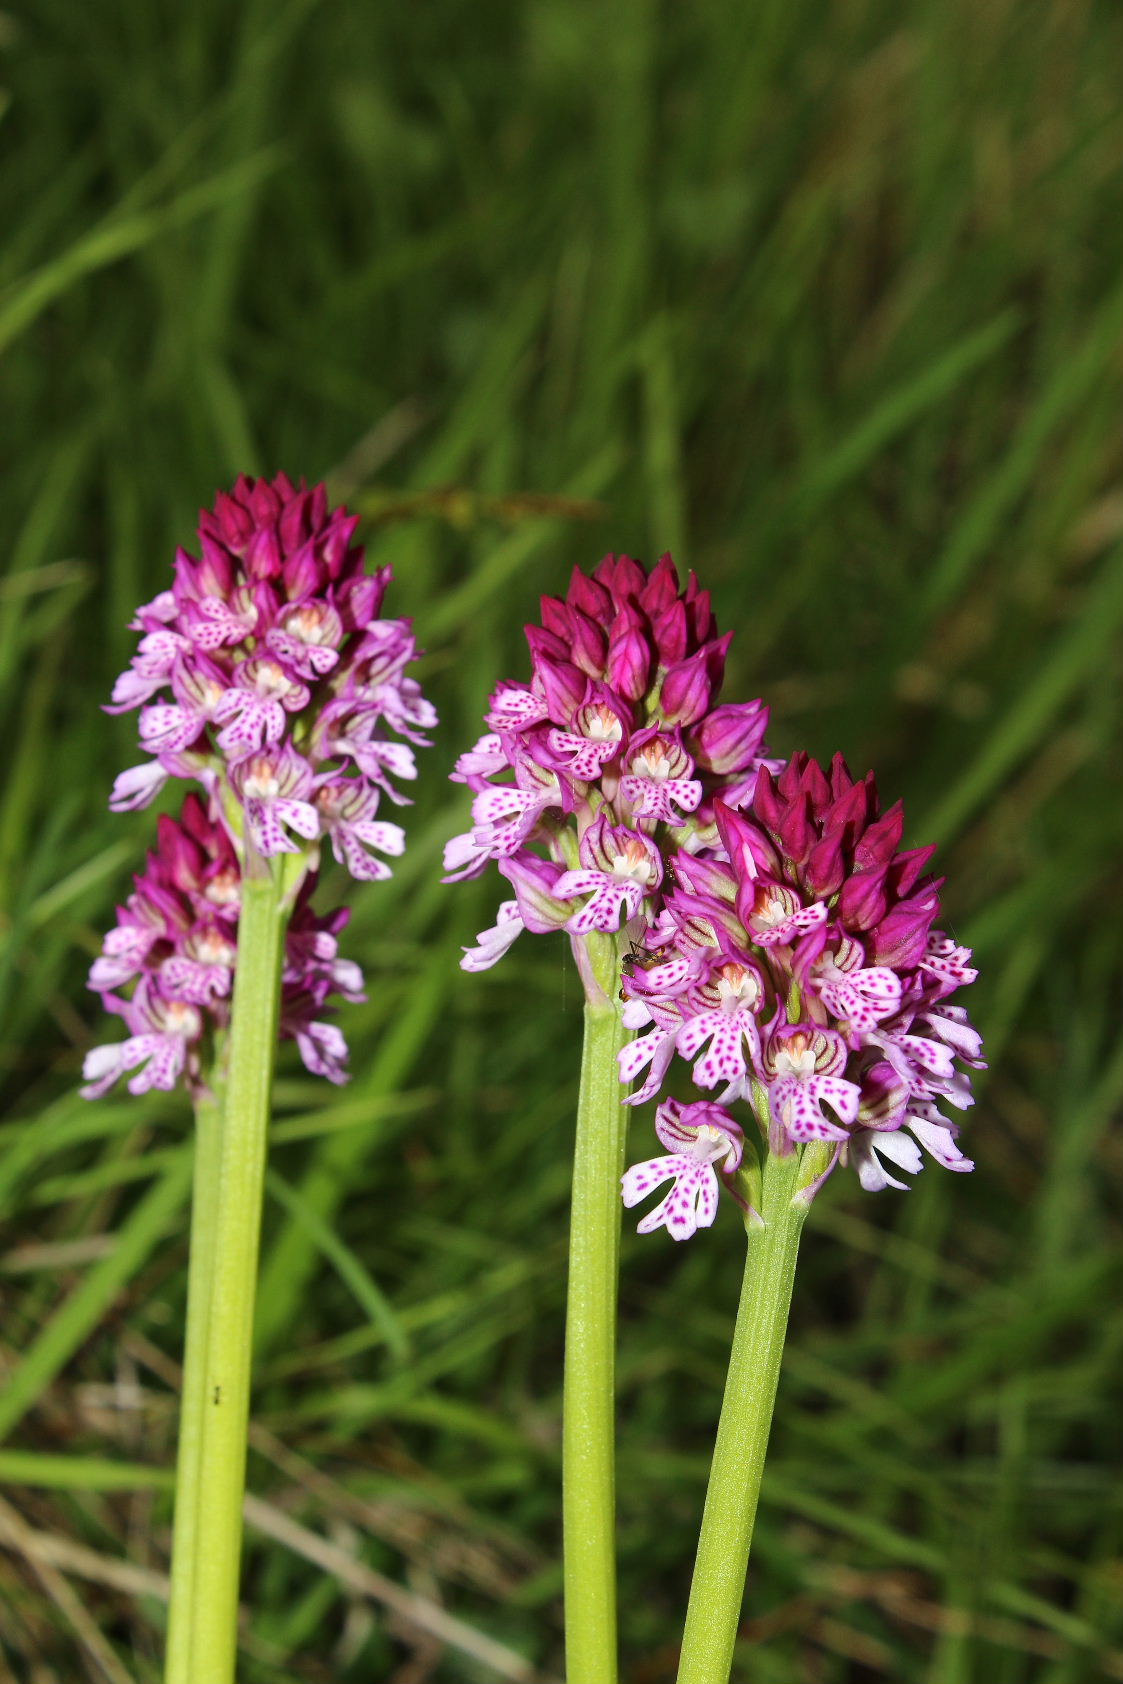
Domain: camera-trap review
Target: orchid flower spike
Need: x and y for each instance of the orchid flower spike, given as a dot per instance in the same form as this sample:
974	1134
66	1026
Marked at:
266	674
607	761
800	970
167	967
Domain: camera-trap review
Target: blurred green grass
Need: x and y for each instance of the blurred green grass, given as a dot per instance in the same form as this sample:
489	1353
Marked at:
826	300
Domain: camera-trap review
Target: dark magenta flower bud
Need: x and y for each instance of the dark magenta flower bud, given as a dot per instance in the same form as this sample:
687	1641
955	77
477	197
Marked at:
768	804
862	903
698	610
590	597
730	738
293	527
661	589
814	785
671	632
335	547
232	522
749	849
902	935
686	691
906	869
301	572
624	577
214	575
797	833
563	687
880	839
589	644
263	554
628	667
825	868
555	617
545	645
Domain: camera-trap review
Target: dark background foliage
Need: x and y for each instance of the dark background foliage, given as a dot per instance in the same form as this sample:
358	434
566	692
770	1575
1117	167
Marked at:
824	298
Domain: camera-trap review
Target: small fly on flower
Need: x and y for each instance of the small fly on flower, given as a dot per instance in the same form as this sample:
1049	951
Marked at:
642	959
629	962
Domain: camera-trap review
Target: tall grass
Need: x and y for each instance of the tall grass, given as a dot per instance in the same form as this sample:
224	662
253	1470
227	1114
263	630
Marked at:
826	300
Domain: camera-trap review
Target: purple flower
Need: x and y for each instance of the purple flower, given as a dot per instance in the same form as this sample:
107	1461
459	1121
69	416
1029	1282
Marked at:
805	1086
347	815
702	1140
619	868
167	968
272	648
610	756
799	960
274	787
160	1047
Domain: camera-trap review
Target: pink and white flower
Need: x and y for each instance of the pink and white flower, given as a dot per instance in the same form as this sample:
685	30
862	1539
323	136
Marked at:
167	968
619	869
702	1140
275	787
805	1085
272	638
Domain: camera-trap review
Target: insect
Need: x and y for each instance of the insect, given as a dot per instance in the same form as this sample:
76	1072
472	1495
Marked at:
216	1396
639	958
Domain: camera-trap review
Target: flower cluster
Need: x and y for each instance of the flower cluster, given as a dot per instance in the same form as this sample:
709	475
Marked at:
608	760
167	968
799	968
282	677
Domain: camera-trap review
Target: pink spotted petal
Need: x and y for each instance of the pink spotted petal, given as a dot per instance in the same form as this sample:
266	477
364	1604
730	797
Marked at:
300	816
514	710
668	799
656	1049
691	1203
796	1104
615	901
725	1061
349	851
381	834
641	1179
788	931
863	997
584	756
266	829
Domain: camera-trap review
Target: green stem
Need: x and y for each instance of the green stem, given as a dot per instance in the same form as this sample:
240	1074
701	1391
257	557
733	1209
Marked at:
720	1566
220	1459
193	1391
589	1413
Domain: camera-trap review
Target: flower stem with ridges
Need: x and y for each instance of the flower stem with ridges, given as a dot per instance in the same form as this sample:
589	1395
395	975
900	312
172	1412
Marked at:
220	1482
589	1412
720	1566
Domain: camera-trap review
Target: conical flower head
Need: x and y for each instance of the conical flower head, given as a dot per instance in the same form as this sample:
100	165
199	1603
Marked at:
609	757
268	646
824	834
